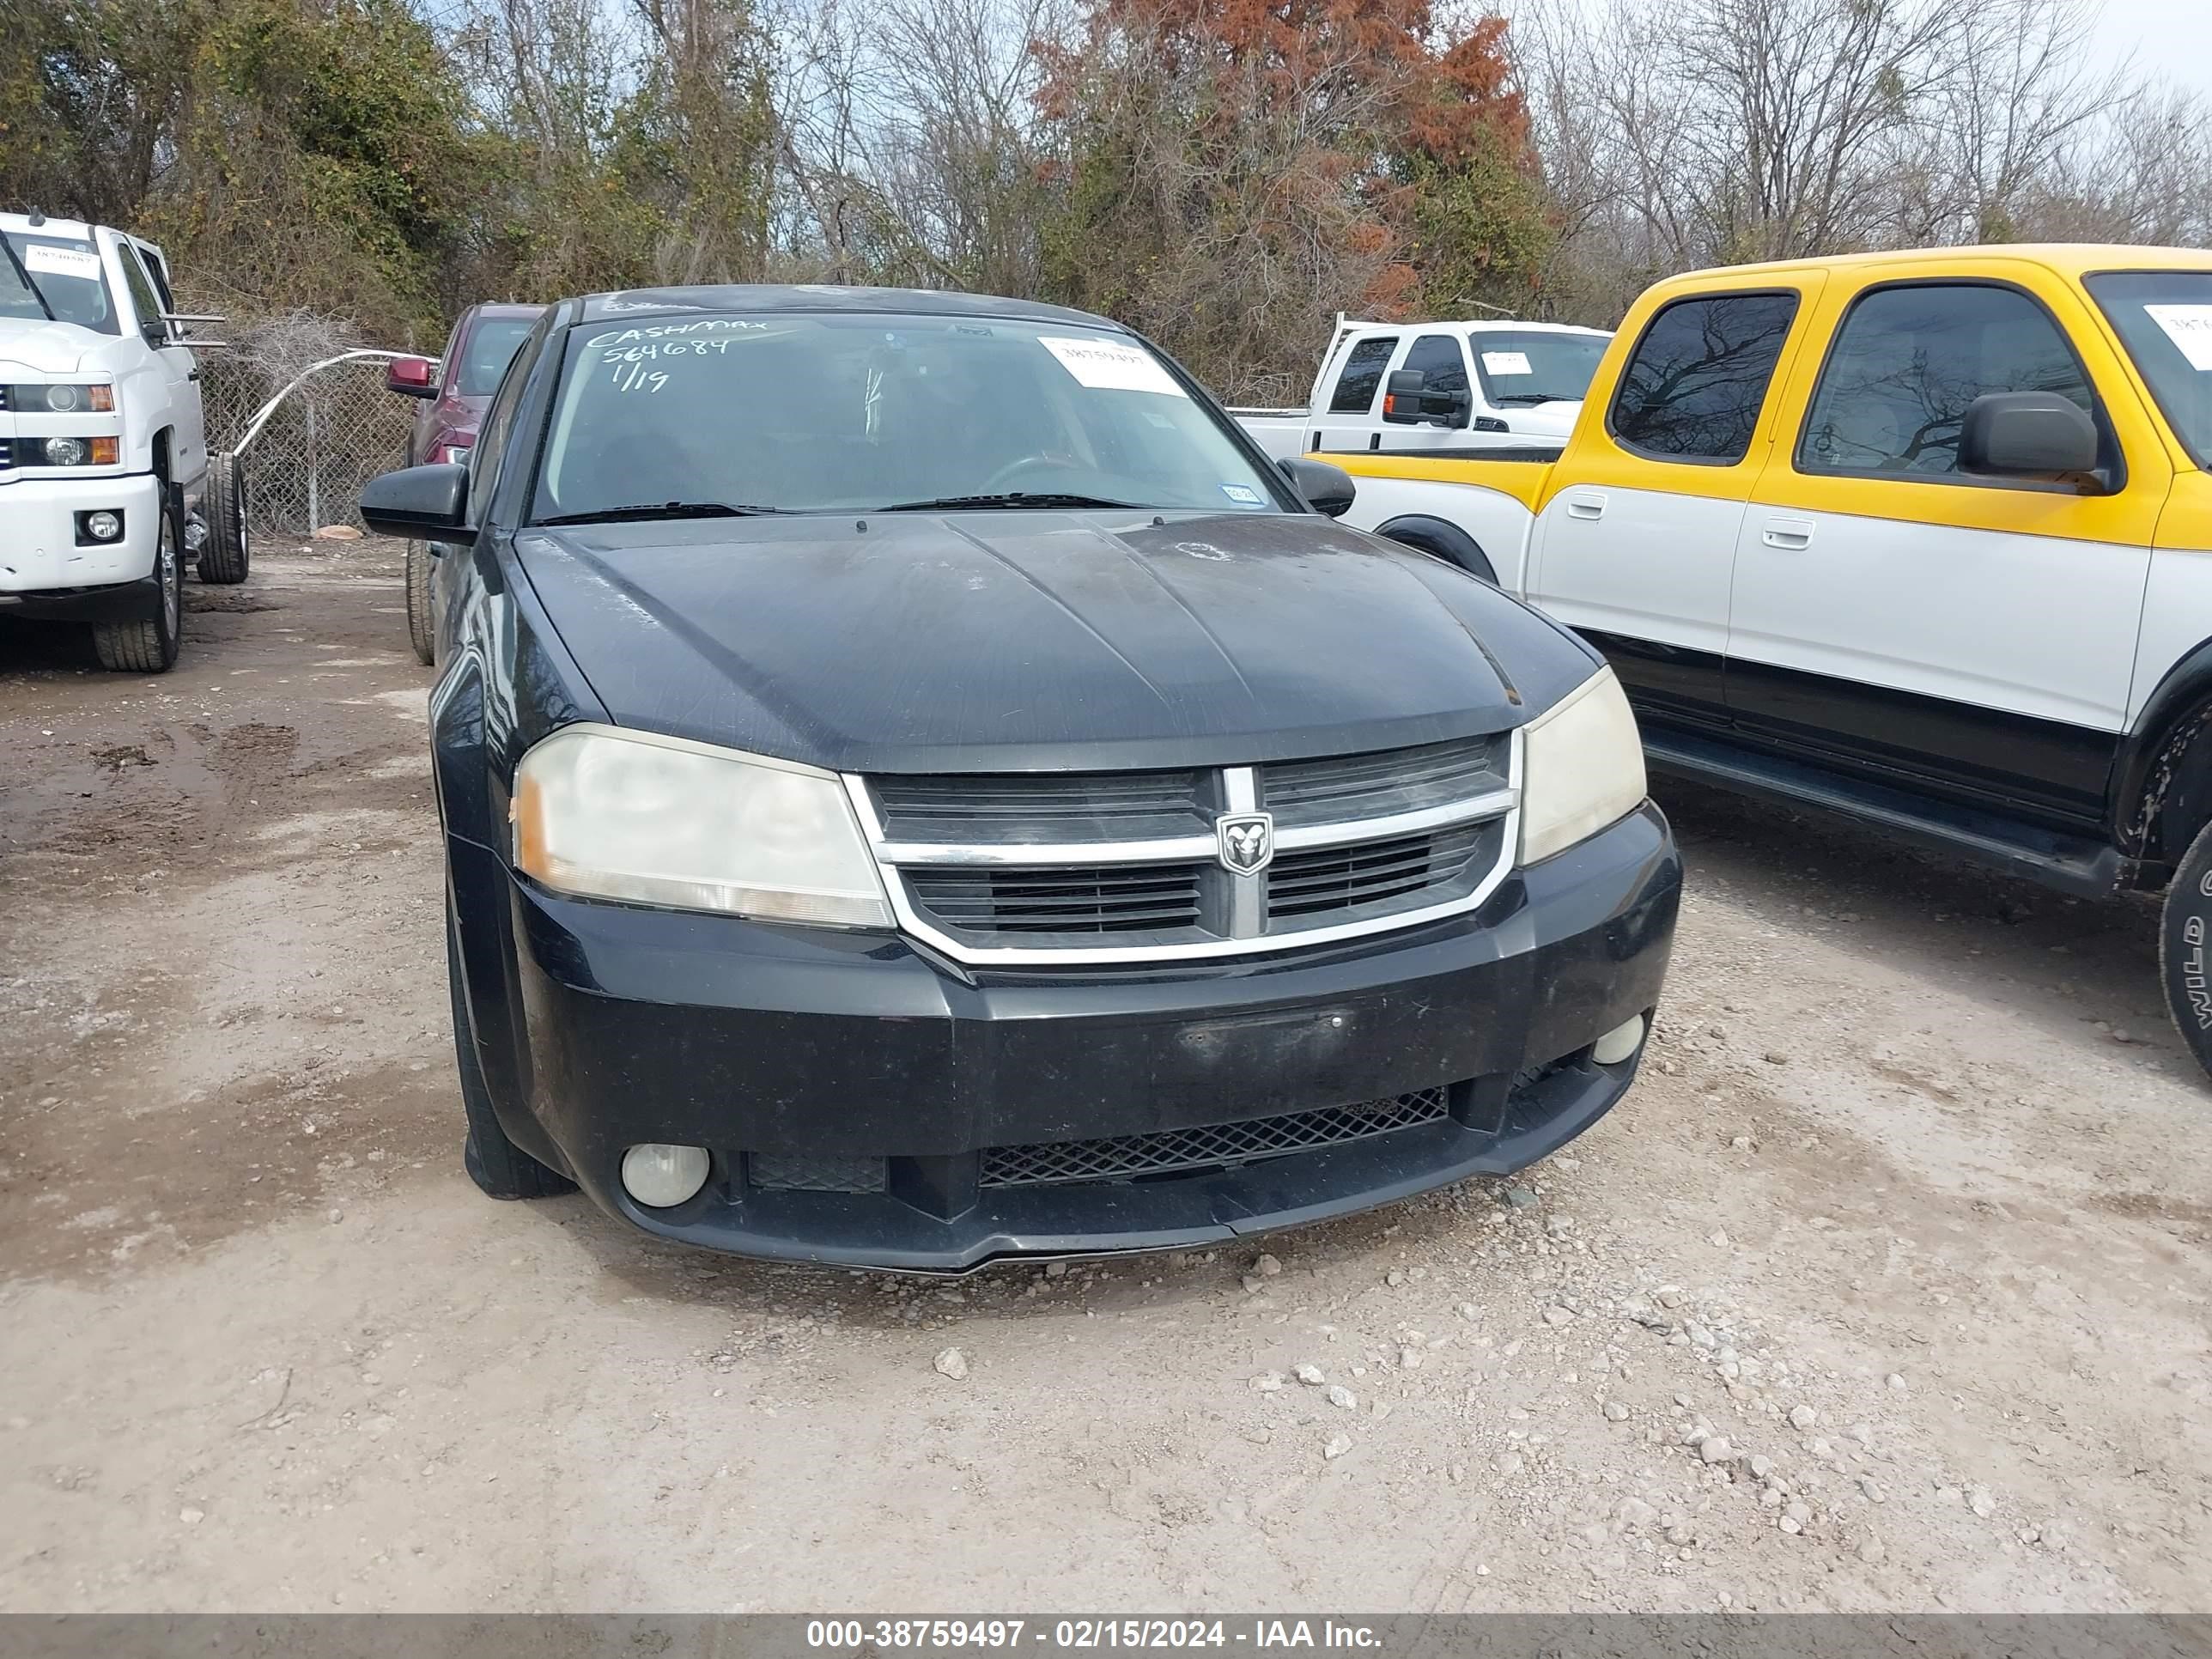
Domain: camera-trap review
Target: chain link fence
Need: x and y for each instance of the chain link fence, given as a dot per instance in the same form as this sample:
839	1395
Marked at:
335	430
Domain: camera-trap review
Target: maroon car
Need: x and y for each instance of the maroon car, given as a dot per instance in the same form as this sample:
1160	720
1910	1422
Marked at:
455	392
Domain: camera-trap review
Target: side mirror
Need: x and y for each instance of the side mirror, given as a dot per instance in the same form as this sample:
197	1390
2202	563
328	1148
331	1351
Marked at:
1328	490
411	377
417	503
1408	400
2027	434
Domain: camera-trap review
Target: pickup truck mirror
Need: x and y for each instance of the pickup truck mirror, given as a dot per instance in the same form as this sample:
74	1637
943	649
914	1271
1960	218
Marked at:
1328	490
1408	401
2027	434
417	503
411	377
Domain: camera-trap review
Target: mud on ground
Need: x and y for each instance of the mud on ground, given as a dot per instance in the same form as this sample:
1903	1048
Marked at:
1911	1209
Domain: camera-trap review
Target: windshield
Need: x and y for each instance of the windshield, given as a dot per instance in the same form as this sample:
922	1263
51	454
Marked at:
490	347
821	413
2164	317
67	272
1535	366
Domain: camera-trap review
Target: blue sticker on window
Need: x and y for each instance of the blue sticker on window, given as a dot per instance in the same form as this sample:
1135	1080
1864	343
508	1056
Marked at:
1244	495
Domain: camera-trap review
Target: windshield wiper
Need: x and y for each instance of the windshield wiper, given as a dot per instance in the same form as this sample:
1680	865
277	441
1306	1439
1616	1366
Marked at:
36	293
1530	398
1016	498
663	510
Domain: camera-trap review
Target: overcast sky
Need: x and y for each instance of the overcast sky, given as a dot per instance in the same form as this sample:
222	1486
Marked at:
2169	37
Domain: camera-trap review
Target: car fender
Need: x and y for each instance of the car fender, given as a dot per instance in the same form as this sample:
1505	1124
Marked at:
1497	524
2153	773
1447	540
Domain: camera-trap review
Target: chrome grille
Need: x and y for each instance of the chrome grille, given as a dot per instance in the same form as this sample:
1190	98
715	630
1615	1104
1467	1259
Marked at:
1216	1146
1124	866
7	453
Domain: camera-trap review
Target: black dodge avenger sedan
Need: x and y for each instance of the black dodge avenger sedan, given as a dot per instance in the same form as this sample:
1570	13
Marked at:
918	787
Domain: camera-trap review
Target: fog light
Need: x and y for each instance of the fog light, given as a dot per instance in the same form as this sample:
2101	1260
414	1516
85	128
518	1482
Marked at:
661	1177
1620	1042
102	526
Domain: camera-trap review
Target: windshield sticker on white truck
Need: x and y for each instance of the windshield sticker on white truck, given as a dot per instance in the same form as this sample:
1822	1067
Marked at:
62	262
2189	327
1507	362
1110	366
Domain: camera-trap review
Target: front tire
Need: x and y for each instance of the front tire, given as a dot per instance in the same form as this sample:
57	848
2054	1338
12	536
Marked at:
421	626
499	1167
2185	947
148	644
225	556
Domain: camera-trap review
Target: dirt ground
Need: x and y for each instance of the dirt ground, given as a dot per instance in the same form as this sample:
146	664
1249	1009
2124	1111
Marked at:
1910	1210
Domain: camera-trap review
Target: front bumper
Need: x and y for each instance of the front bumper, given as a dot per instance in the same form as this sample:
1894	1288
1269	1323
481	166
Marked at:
790	1052
43	570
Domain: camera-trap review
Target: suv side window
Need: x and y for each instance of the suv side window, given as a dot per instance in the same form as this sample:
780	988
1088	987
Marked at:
1907	361
1362	377
1693	388
1440	360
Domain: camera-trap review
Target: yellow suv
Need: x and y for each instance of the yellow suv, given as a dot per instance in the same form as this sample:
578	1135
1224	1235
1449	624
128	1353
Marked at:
1924	537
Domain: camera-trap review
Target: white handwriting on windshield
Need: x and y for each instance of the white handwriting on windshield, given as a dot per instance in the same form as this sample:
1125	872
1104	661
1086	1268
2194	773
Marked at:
675	331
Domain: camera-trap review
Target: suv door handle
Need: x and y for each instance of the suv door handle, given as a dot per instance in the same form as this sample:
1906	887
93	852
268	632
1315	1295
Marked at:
1586	506
1788	534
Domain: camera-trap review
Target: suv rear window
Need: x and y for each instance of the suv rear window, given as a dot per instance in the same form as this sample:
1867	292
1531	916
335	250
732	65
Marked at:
1693	388
1362	377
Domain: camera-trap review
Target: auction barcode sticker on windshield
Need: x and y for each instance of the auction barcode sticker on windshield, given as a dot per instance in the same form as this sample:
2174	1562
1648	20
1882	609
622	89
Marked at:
2189	327
62	262
1110	366
1507	362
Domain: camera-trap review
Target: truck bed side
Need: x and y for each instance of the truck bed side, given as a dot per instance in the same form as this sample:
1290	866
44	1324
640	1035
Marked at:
1494	501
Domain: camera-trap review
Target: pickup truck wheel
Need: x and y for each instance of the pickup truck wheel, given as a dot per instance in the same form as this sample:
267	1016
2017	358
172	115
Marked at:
223	557
148	644
421	631
2185	947
499	1167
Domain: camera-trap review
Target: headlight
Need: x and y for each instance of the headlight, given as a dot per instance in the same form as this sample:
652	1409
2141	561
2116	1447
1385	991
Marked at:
655	820
67	451
1581	768
78	399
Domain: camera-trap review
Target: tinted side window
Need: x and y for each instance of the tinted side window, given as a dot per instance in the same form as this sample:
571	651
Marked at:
143	298
1362	377
1908	360
498	425
1439	358
1693	386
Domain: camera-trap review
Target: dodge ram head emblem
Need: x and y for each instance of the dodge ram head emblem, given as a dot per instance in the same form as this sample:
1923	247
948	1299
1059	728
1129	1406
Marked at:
1246	842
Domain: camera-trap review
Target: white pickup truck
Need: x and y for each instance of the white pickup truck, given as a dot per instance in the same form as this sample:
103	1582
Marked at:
1385	387
106	483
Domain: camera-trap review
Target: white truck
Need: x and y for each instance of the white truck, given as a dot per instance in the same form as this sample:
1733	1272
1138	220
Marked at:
106	483
1385	387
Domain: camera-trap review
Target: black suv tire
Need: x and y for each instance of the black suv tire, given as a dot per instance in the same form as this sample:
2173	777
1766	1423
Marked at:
421	626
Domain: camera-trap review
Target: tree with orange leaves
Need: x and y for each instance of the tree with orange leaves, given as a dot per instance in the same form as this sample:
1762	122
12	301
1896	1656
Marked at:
1229	173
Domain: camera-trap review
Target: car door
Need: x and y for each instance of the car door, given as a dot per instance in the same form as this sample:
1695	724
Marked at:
1634	548
1923	625
1349	418
1442	362
187	420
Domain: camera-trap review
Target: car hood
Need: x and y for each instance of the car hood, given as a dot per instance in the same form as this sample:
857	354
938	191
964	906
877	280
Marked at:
1551	420
1025	640
44	348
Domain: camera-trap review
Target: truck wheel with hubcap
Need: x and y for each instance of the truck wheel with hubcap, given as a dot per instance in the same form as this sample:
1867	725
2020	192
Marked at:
224	557
2185	947
148	644
421	630
496	1165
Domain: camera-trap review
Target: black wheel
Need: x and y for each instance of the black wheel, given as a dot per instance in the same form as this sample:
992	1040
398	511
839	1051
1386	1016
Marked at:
2185	947
148	644
495	1163
422	627
224	556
